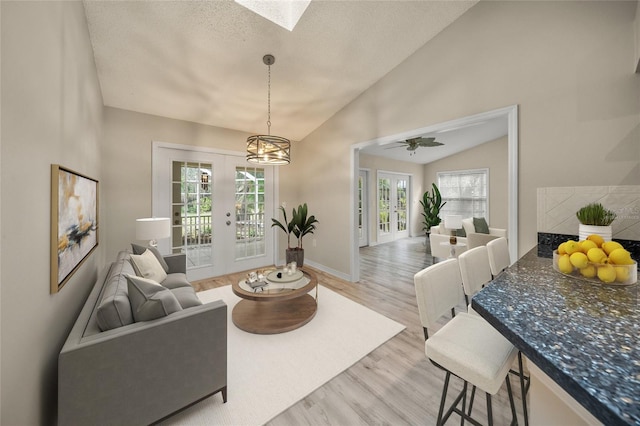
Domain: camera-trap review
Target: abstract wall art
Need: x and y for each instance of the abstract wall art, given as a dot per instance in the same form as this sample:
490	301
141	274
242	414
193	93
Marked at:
74	222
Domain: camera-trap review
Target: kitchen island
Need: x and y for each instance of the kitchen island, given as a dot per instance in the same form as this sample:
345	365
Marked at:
584	336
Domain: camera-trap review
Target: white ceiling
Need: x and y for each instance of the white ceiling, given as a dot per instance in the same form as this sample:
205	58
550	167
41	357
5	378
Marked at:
201	61
455	138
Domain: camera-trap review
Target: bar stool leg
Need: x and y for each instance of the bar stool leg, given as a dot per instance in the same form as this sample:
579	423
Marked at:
523	390
489	410
443	399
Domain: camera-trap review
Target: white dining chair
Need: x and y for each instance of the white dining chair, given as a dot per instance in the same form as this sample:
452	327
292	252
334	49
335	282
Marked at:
466	346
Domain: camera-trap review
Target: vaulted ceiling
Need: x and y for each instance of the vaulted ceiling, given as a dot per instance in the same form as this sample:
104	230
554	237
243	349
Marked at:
201	61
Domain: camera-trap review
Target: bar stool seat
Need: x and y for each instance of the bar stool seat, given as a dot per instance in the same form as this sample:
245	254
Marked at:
471	349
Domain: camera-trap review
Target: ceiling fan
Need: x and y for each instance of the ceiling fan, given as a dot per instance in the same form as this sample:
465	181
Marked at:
414	143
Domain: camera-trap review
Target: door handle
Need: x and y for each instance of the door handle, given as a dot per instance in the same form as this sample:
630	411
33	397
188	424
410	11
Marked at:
228	222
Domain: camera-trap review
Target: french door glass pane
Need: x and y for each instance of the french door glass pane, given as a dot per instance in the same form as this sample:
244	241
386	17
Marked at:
401	202
192	200
249	209
384	201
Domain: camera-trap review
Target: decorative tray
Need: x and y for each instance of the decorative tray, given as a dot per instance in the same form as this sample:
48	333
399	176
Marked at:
284	277
621	275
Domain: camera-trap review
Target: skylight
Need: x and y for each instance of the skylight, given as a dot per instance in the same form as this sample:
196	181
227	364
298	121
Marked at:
285	13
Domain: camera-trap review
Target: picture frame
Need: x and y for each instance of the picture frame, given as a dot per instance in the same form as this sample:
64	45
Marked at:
74	222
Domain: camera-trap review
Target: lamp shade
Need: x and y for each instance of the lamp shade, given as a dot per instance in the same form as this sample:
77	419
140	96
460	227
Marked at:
153	228
453	221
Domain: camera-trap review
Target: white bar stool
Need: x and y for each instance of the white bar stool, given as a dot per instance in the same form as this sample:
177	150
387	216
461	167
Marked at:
467	346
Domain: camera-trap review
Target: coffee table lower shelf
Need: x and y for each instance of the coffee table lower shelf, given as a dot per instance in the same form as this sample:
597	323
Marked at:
274	317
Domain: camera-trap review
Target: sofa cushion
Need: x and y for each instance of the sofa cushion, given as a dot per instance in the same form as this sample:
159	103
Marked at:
480	224
146	265
138	249
186	297
175	280
114	309
150	300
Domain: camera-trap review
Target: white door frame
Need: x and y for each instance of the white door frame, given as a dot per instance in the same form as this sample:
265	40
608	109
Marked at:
510	112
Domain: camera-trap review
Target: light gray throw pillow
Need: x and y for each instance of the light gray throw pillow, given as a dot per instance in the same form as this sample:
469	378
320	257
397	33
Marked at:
138	249
146	265
149	300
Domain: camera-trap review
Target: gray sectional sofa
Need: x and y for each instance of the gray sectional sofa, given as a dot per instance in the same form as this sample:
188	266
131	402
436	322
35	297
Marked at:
116	368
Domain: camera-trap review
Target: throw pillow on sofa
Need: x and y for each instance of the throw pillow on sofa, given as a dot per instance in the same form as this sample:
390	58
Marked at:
138	249
147	265
480	223
149	300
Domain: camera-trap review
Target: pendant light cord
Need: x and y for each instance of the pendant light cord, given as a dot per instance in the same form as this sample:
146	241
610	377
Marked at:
269	103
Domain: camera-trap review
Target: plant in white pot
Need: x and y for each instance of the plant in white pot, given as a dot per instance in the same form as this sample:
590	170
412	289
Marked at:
300	225
595	219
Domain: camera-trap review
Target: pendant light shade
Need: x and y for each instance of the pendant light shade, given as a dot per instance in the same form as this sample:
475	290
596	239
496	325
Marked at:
268	149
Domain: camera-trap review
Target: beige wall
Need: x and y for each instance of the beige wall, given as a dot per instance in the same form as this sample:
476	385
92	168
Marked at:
637	61
491	155
126	153
566	64
52	113
379	164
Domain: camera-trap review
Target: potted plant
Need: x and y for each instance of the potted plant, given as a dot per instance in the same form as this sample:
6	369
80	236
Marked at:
595	219
300	225
431	205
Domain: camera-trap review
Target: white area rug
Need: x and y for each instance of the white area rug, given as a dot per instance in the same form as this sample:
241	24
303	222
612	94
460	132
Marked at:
268	374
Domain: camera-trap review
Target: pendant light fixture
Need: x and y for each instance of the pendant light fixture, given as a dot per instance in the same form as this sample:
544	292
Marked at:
267	149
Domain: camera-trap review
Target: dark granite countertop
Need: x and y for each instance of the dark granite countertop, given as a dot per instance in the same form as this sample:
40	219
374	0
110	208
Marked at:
583	335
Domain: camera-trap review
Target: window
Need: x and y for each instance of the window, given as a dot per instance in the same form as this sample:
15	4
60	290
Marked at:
466	193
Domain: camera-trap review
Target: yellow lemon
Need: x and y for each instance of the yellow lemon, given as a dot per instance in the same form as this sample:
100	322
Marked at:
587	245
597	255
571	246
564	264
579	259
622	273
607	273
620	257
588	271
610	246
561	249
596	239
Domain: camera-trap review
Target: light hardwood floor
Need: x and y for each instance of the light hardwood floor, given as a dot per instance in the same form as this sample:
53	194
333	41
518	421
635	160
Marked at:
395	384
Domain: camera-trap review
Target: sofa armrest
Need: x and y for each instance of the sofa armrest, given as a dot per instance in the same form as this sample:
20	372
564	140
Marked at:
140	373
177	263
477	239
498	232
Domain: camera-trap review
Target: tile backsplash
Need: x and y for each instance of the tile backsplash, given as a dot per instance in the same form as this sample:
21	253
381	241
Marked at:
557	208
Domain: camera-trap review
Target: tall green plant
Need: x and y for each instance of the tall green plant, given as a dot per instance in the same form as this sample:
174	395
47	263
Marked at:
303	225
299	225
287	226
431	204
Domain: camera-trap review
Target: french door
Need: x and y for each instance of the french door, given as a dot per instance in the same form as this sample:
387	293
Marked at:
393	206
363	210
220	208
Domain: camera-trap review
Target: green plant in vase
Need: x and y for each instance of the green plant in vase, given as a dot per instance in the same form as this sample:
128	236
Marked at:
300	225
431	205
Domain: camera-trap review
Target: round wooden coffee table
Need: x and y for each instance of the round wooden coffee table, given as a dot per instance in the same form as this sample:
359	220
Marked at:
283	305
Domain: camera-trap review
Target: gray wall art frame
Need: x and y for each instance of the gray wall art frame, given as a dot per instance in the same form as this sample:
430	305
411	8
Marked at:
74	222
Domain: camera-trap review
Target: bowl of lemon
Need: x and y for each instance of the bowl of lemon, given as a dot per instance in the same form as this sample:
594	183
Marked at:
596	260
